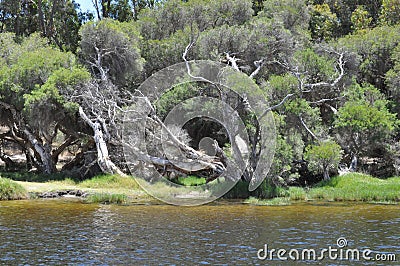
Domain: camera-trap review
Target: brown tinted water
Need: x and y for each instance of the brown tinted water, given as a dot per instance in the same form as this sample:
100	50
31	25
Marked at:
57	232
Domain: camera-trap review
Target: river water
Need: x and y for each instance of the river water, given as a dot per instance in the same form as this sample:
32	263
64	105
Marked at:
62	232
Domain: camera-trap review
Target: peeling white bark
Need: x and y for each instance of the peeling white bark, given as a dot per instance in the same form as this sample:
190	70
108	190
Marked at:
103	158
44	152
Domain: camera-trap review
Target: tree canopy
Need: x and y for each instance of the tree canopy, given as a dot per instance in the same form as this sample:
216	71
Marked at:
329	70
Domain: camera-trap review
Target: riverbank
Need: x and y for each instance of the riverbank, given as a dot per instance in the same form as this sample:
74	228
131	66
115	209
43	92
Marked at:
353	187
100	189
115	189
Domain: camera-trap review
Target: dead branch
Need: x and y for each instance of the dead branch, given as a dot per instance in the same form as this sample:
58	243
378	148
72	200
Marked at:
233	61
277	105
307	128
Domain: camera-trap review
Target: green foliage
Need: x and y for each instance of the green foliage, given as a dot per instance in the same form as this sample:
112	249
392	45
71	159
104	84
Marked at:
159	54
318	67
345	9
364	120
360	19
239	191
32	177
278	86
10	190
374	49
175	15
32	64
292	13
214	42
265	190
390	13
59	83
36	79
282	158
323	22
117	46
268	189
121	10
323	157
175	96
393	79
59	23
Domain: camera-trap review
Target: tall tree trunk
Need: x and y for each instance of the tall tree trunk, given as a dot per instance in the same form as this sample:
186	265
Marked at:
106	6
41	18
96	6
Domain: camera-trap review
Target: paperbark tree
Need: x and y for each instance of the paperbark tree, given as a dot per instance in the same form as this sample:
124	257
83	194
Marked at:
32	103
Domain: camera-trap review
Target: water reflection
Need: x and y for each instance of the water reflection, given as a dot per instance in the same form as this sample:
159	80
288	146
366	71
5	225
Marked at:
103	236
57	232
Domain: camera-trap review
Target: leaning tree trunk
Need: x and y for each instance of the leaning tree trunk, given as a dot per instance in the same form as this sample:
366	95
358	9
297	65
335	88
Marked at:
103	158
44	151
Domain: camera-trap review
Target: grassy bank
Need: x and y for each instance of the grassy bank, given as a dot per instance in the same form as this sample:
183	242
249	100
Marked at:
10	190
100	189
125	190
357	187
351	187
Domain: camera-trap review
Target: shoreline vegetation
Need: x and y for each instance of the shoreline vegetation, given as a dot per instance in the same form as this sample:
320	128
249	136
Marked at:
304	88
114	189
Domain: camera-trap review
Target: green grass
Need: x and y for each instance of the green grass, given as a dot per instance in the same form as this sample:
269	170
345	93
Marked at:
10	190
357	187
107	198
351	187
101	189
117	189
100	181
110	181
33	177
190	181
297	193
280	201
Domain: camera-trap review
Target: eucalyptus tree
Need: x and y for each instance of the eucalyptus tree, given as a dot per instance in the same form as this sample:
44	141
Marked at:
122	10
57	20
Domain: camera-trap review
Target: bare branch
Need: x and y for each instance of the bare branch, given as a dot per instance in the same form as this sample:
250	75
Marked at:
307	128
184	57
327	100
233	61
277	105
259	64
340	72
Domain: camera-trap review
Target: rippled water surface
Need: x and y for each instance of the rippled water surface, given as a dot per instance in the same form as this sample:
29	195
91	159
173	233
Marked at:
56	232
